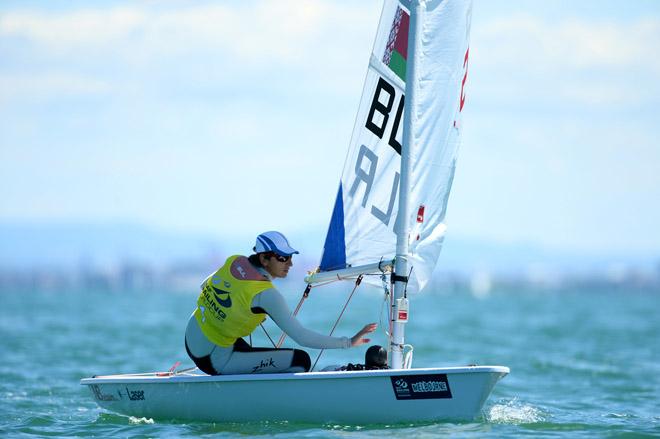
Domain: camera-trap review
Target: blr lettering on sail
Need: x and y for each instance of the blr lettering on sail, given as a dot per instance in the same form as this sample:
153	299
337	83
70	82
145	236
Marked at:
377	123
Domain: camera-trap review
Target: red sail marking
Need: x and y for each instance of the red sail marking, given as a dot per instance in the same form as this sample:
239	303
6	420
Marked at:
465	66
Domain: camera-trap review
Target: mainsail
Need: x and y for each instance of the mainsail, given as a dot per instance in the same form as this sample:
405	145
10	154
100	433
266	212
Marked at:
364	220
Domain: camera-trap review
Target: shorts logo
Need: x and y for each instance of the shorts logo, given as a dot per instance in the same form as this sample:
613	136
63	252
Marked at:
421	387
263	364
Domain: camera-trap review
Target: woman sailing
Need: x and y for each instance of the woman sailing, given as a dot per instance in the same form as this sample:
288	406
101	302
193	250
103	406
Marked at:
236	299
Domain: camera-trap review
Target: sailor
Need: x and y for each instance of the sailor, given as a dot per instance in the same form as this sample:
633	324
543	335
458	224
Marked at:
236	299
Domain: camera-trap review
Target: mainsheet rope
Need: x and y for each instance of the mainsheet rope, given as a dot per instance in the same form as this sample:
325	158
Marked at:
267	335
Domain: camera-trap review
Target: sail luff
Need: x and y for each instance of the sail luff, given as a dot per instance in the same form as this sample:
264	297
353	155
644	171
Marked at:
402	228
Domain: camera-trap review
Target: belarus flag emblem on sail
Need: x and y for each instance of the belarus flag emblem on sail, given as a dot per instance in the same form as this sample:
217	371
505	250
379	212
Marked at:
396	51
365	214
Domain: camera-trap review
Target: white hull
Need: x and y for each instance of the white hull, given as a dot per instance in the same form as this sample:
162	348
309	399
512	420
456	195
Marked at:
356	397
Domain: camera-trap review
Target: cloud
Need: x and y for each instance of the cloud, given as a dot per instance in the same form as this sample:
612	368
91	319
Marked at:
528	41
72	29
51	85
248	31
206	46
527	57
529	60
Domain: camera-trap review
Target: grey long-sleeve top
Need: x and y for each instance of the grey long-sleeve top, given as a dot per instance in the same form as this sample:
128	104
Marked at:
273	303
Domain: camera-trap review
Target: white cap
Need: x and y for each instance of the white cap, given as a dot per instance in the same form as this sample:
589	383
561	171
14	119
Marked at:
274	242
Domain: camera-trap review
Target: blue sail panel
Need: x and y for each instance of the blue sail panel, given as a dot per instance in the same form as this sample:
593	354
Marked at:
334	250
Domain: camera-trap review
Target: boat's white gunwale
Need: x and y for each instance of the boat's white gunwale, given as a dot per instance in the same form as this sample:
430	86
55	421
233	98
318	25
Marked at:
110	379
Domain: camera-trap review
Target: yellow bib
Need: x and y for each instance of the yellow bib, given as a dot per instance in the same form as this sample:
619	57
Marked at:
224	307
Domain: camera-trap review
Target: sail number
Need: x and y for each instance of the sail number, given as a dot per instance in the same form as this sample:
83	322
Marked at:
377	125
380	112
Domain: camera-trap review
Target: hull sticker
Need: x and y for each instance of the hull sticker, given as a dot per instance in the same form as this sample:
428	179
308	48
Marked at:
102	396
135	395
421	386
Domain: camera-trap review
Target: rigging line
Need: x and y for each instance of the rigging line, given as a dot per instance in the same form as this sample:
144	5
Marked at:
267	335
405	289
386	289
305	294
357	284
182	371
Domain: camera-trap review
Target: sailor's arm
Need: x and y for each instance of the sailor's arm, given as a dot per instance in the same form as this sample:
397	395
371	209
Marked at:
272	302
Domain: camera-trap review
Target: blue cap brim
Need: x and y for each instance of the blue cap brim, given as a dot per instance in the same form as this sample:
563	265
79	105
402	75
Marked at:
287	252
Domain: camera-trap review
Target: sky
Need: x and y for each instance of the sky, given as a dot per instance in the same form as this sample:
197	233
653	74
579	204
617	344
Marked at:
230	118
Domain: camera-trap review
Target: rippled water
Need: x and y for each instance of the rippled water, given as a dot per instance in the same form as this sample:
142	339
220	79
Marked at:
582	364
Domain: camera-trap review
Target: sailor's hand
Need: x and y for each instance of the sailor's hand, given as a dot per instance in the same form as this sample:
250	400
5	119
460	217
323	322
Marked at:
357	339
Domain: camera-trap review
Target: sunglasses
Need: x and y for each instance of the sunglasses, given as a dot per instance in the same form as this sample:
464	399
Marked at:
283	258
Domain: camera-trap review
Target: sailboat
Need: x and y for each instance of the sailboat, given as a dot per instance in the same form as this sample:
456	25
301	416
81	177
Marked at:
387	225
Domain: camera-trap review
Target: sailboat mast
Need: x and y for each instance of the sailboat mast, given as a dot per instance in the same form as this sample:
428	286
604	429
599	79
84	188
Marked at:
401	267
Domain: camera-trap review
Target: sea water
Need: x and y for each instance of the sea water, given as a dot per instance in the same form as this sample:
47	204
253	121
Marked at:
583	362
